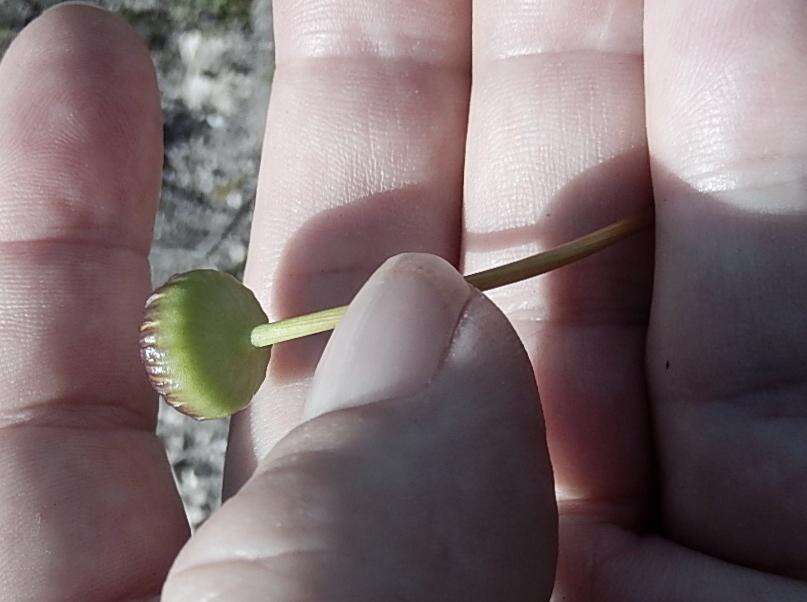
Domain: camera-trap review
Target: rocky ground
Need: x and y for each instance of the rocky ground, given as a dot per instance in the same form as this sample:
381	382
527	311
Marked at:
214	60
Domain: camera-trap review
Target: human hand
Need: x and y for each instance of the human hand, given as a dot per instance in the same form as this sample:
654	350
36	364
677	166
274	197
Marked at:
415	466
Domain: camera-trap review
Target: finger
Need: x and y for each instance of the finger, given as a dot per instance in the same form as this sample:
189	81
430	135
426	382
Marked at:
362	160
88	510
727	351
625	567
422	475
556	148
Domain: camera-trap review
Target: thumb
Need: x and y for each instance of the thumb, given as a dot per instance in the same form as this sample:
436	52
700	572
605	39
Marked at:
421	473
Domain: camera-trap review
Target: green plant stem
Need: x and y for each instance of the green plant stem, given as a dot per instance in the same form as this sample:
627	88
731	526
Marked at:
267	335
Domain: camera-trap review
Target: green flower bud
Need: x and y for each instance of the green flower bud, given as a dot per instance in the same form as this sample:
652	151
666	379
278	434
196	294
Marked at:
195	343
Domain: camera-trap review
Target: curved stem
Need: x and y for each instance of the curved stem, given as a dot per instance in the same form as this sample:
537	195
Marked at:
266	335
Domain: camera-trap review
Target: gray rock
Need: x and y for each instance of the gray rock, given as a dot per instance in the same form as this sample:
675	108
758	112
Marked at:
214	60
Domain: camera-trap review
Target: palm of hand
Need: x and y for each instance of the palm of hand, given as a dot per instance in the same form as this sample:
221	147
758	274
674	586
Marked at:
676	461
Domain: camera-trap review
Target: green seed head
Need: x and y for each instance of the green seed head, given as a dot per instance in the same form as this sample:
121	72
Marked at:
195	343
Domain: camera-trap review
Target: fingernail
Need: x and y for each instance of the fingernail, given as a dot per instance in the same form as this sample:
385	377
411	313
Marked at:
393	337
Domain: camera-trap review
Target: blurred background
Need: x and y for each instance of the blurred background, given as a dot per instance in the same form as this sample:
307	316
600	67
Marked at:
214	61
